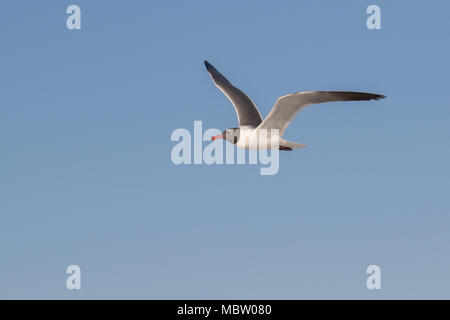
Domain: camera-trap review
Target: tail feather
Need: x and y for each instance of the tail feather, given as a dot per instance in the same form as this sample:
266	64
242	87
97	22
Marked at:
287	145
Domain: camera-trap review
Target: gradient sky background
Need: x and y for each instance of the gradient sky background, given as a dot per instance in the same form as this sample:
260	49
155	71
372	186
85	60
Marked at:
86	176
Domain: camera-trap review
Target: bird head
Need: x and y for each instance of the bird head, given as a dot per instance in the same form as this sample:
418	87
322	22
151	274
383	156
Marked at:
231	135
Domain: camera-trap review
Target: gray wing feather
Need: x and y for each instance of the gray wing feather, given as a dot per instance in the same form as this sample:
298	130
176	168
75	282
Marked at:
287	107
247	113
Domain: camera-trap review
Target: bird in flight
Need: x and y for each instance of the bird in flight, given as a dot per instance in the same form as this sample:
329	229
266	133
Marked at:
254	132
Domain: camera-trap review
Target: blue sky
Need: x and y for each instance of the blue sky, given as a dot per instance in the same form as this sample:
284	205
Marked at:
85	171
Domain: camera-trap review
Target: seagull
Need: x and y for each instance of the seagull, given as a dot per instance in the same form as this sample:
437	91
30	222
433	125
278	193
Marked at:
255	133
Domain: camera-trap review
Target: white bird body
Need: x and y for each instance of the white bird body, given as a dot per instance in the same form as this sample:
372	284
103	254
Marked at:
252	138
261	139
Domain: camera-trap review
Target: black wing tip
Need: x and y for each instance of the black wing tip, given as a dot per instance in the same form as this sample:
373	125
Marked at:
208	66
354	95
366	96
377	96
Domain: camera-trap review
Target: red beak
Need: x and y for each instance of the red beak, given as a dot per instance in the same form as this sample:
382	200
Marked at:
219	136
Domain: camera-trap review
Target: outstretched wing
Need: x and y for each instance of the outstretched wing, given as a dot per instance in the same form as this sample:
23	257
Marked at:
247	113
287	107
